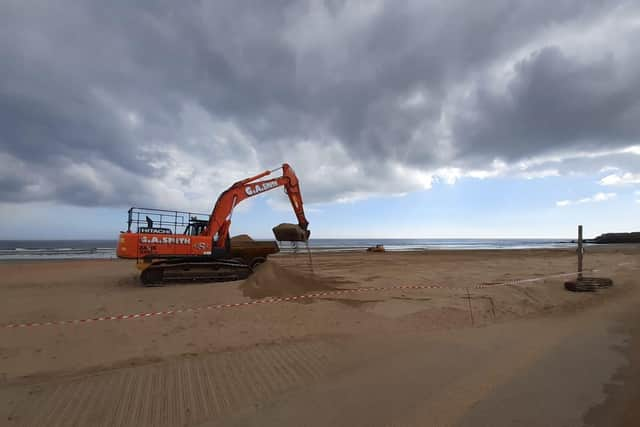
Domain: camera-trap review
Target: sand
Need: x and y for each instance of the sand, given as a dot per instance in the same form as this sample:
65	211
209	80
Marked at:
273	280
305	344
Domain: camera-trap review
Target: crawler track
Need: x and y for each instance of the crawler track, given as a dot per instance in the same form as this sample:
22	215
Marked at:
172	271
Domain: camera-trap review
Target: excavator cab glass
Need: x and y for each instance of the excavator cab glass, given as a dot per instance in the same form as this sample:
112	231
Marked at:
196	227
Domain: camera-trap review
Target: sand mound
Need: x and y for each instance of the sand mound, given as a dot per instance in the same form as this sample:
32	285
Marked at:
241	238
273	280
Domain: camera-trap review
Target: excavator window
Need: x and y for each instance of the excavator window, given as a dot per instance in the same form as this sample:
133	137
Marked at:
195	228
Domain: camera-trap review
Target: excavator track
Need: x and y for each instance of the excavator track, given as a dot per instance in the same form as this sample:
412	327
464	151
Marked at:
162	272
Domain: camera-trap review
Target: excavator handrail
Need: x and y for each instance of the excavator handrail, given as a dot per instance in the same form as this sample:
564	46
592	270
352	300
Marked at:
162	217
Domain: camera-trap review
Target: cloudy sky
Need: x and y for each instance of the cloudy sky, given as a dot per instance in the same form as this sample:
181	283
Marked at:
401	118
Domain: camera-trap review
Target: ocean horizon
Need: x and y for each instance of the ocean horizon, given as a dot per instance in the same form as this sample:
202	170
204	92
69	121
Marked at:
105	249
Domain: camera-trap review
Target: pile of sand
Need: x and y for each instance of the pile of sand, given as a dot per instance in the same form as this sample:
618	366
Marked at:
273	280
241	238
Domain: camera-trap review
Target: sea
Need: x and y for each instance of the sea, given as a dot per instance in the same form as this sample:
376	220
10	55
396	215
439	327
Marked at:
106	249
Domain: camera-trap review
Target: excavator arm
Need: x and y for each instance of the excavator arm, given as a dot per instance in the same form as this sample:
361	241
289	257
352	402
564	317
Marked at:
220	219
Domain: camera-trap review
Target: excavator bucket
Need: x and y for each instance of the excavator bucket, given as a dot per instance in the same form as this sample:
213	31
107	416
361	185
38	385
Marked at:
290	233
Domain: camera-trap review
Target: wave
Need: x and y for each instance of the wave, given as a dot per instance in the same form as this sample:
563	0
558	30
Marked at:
24	250
57	253
426	244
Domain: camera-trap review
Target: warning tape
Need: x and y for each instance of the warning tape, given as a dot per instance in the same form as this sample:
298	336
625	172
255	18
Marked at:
277	300
213	307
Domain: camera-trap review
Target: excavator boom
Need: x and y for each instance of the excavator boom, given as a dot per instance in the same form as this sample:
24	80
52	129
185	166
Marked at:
220	220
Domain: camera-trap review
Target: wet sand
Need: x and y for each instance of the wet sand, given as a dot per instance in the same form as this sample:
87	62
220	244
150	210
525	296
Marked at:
482	346
623	390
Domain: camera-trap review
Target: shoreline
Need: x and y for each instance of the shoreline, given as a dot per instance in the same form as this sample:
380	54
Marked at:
89	249
593	248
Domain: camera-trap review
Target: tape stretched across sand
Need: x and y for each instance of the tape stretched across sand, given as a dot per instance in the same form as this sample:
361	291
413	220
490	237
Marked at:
275	301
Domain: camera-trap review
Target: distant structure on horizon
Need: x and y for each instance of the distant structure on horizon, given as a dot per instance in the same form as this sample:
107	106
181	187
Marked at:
617	238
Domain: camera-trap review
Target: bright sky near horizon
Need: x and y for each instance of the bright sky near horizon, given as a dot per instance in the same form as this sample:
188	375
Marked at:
401	118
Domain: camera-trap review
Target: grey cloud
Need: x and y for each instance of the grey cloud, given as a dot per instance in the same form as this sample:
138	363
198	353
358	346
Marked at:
554	103
112	87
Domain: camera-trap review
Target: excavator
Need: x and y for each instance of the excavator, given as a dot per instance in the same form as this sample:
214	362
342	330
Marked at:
176	245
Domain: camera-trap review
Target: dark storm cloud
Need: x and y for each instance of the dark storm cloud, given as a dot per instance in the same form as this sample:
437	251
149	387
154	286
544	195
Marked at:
95	97
555	102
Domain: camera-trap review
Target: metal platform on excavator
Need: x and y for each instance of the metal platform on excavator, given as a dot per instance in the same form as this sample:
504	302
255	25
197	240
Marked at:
163	221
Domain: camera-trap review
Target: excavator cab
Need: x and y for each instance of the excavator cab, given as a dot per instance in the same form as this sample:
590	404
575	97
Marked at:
195	227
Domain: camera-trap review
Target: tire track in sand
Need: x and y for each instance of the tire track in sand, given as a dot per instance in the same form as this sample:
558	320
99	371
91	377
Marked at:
179	392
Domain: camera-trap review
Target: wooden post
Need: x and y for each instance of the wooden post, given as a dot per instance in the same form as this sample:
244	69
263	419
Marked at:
580	251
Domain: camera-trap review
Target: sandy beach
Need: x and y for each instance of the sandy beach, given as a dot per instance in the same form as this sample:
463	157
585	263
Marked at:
465	346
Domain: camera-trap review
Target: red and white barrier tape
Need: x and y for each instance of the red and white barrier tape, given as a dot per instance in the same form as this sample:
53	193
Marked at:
212	307
273	301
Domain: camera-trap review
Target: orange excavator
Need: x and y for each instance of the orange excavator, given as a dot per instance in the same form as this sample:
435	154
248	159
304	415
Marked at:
178	245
